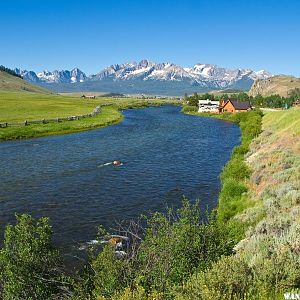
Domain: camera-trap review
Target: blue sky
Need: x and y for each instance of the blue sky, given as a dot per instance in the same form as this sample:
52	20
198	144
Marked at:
90	34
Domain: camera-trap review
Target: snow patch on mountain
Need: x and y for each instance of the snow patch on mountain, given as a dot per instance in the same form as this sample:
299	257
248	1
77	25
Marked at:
63	76
203	75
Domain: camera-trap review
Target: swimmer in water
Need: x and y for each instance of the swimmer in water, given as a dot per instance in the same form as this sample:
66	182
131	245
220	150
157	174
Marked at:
117	163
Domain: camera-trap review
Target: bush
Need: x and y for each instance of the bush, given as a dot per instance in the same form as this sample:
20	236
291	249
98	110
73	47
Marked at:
229	278
231	200
236	172
29	264
138	293
236	169
109	271
176	244
189	109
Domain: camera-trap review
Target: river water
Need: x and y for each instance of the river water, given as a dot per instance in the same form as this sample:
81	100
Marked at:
69	178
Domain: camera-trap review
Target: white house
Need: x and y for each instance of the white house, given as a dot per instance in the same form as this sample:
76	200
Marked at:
208	106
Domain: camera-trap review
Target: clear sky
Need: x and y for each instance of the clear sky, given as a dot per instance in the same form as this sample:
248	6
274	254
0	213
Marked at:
90	34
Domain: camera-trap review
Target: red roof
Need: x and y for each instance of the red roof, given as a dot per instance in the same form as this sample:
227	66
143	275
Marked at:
239	105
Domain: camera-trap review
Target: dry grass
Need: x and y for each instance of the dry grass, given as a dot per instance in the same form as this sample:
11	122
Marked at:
12	83
267	261
280	85
273	245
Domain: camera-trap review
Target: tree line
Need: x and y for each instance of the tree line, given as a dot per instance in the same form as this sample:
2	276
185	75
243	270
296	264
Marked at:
273	101
10	71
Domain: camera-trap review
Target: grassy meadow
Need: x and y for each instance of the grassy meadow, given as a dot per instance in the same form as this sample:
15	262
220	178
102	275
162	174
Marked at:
16	107
108	116
283	122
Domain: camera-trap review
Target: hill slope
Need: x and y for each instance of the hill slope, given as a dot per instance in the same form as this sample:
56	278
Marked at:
266	261
281	85
12	83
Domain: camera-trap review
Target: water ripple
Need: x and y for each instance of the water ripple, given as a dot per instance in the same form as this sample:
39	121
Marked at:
70	178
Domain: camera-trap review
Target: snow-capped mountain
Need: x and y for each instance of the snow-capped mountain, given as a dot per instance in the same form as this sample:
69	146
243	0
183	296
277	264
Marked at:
28	75
202	74
145	73
63	76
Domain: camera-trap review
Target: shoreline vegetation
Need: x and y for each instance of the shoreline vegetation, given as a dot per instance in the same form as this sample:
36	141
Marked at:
247	248
18	107
259	206
236	173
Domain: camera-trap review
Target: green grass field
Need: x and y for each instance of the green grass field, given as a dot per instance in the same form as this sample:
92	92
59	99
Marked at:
284	121
108	116
16	107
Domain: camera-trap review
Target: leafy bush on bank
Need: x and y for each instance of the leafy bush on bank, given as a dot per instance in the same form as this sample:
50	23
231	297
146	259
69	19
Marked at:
30	267
236	173
189	109
175	245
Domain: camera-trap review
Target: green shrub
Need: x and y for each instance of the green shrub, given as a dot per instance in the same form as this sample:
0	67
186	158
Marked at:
236	172
229	278
177	245
138	293
236	169
109	272
189	108
30	266
230	199
241	150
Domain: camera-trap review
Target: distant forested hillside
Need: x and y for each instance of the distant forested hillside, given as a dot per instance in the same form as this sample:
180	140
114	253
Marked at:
9	71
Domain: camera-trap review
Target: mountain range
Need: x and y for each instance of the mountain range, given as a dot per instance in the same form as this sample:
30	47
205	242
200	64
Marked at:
147	77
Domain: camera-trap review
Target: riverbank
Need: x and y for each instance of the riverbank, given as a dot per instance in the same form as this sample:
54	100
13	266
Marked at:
108	116
18	107
260	205
236	174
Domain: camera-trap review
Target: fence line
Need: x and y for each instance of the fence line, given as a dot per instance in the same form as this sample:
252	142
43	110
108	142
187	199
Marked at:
95	112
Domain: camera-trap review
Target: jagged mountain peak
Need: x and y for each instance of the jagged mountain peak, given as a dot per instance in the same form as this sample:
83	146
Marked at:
144	63
208	76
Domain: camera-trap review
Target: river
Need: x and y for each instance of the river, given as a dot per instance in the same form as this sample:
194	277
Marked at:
69	178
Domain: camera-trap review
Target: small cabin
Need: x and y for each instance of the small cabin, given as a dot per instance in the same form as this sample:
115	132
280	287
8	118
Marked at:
88	97
223	102
235	106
